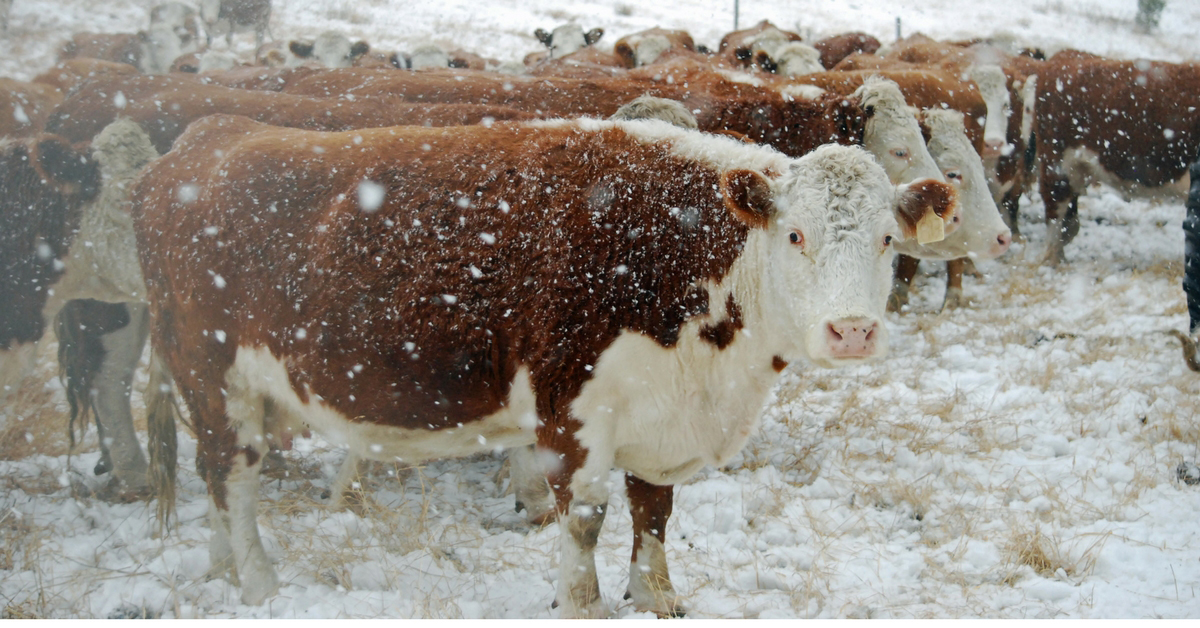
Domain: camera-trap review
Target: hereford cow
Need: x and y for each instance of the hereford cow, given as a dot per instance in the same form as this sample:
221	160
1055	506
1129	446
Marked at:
1129	124
646	47
982	235
741	47
164	106
837	47
605	276
152	51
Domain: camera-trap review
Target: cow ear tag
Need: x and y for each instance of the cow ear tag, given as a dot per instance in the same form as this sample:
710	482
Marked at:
930	228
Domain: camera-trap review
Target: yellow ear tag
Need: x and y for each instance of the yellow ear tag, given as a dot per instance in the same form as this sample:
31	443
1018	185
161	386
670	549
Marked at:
930	228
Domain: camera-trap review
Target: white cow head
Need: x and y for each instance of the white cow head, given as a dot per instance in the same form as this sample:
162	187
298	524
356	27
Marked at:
894	137
567	38
428	56
331	49
982	232
823	252
161	45
993	86
797	59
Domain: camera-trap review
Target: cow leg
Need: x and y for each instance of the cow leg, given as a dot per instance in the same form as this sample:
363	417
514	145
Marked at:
906	269
1010	210
529	483
220	550
649	583
114	385
240	489
954	293
1057	197
342	493
581	495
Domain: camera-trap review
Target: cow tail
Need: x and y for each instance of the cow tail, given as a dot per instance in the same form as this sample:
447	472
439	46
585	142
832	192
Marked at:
161	413
80	355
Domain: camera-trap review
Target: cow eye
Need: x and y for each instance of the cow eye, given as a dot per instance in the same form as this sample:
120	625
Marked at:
796	238
887	241
899	153
954	175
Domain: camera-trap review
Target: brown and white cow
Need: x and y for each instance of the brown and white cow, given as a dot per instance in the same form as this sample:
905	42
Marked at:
152	50
837	47
621	293
1133	125
741	47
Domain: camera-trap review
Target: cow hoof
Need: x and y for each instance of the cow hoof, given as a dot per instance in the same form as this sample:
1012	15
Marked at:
896	302
954	300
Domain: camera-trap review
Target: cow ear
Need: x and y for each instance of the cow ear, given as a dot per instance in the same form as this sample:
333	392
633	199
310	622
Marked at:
359	48
748	195
542	36
869	110
302	49
704	50
924	208
626	54
593	36
765	62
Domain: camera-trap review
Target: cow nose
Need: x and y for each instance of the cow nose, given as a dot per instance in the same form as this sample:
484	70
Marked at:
1003	241
851	337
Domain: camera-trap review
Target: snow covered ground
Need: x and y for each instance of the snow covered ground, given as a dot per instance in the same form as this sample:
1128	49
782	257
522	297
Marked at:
1017	458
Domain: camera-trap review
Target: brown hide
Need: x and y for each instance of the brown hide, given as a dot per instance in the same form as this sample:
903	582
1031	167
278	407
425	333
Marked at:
922	89
24	107
66	76
164	106
1142	118
259	77
792	126
45	182
834	49
118	48
435	298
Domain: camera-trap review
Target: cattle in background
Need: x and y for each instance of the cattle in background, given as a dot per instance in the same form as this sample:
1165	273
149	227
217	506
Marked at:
676	257
164	106
183	20
837	47
152	51
66	76
740	48
1133	125
229	16
67	234
648	46
982	235
329	49
564	40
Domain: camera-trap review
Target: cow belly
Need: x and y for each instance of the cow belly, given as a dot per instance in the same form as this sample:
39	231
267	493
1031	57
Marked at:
256	372
1082	168
670	411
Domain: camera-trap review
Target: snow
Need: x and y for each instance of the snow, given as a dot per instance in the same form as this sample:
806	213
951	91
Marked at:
1018	458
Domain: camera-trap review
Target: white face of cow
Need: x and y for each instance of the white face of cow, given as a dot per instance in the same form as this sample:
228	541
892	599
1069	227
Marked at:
797	59
893	135
566	39
982	232
161	45
826	257
993	87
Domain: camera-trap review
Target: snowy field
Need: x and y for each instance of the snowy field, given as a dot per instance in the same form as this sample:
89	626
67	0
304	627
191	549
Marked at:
1016	458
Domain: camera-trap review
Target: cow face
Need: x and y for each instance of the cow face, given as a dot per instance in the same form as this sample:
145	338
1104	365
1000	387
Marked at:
993	86
823	252
568	38
982	232
893	135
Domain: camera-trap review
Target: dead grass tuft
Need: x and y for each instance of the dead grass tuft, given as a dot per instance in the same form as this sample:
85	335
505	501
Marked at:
1051	557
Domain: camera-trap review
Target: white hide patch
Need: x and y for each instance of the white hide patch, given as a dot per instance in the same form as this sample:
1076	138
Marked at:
256	374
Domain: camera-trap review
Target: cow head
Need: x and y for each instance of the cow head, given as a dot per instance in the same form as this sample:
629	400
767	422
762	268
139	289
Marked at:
822	247
567	38
796	59
428	56
331	49
982	232
993	87
894	137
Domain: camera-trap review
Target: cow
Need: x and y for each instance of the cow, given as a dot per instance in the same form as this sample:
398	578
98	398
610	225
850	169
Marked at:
837	47
164	106
67	235
646	47
181	18
152	51
1130	124
982	235
229	16
329	49
620	293
1191	270
66	76
741	48
565	40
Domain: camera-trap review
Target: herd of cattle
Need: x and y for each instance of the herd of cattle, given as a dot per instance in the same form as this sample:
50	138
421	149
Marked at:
593	259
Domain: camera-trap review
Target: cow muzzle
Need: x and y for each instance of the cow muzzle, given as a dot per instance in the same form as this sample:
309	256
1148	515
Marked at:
852	338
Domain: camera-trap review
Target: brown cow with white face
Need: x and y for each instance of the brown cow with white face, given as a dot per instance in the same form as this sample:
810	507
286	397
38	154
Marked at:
1134	125
621	293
